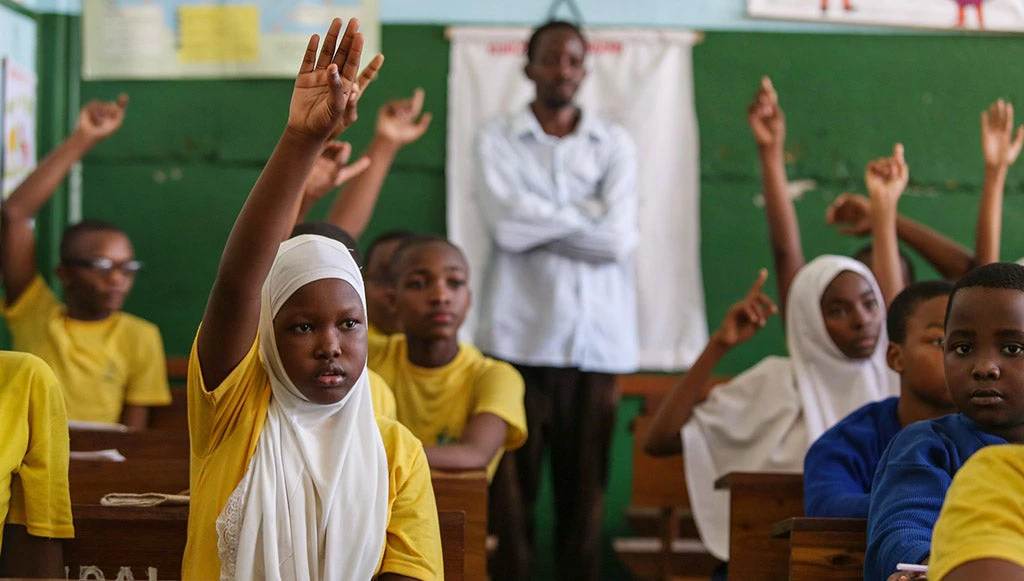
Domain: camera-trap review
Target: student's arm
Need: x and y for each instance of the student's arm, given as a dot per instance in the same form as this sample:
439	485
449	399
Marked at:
852	215
886	179
399	123
613	235
330	170
986	569
28	556
768	123
742	321
96	122
833	477
136	417
482	438
1000	149
323	104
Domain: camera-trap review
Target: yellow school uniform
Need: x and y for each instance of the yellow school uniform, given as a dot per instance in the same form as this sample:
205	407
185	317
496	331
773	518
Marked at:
436	403
374	334
101	365
983	514
382	397
33	449
225	427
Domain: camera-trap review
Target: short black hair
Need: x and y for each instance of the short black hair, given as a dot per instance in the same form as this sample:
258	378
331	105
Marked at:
74	232
531	46
906	303
864	254
328	230
999	275
389	236
420	240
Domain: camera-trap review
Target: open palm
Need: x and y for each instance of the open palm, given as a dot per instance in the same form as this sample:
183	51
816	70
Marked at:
325	95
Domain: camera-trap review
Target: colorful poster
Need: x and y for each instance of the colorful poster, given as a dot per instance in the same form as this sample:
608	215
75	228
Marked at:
18	124
990	15
174	39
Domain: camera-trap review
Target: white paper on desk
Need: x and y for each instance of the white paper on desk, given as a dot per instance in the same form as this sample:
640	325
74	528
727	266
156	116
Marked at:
110	455
96	426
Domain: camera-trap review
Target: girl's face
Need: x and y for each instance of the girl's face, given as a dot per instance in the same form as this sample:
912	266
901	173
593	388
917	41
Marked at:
853	315
321	338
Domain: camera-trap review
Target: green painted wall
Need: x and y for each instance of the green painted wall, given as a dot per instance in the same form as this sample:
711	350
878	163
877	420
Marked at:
178	171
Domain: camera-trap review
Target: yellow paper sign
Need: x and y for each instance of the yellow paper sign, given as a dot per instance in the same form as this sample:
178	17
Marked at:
219	34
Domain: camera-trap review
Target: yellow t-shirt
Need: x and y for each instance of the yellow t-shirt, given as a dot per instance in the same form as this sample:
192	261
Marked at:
33	449
225	427
101	365
983	514
382	397
436	403
374	334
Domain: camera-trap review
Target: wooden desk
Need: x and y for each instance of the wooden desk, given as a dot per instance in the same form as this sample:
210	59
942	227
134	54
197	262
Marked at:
824	548
466	491
757	501
134	445
91	480
453	543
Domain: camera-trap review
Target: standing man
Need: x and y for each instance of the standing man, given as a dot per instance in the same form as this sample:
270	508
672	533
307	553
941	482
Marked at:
557	189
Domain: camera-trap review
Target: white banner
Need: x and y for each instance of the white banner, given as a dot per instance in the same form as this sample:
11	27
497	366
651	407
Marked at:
18	125
990	15
642	79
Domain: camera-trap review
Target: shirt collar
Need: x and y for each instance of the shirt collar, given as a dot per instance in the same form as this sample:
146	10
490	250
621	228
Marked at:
525	123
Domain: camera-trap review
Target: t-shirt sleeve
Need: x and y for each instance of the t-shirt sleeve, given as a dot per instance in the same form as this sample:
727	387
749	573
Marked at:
413	543
983	516
906	496
376	349
40	497
499	391
834	478
147	384
32	308
383	398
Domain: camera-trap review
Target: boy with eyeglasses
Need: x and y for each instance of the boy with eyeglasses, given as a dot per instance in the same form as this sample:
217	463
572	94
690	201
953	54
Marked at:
111	365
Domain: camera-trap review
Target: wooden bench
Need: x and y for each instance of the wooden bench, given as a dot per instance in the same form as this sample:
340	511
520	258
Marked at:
758	500
132	444
466	491
91	480
110	538
824	548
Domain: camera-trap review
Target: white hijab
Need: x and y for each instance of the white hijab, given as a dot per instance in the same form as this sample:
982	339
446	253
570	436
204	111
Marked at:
765	419
314	502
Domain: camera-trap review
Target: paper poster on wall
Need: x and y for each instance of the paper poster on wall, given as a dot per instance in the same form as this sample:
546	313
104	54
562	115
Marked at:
988	15
174	39
18	124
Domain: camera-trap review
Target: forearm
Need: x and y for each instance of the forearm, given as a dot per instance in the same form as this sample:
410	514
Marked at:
458	456
30	196
783	228
354	206
136	417
28	556
663	437
990	216
951	259
885	254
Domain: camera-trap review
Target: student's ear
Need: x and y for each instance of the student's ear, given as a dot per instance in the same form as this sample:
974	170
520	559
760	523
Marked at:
894	357
528	71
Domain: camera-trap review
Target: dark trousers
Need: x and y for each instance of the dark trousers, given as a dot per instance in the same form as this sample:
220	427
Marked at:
572	413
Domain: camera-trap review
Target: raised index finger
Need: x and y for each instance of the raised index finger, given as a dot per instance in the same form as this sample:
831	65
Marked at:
309	59
759	283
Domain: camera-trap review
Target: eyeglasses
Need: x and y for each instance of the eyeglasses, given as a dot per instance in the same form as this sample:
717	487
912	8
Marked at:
104	265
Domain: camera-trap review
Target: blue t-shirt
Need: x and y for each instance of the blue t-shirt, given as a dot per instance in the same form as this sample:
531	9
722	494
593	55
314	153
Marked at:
840	465
911	482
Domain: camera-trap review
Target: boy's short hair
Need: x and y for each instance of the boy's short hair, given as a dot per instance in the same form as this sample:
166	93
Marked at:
419	240
328	230
905	305
864	254
531	46
1000	275
389	236
73	233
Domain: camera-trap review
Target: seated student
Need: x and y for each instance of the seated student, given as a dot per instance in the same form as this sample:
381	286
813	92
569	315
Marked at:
292	476
840	465
980	531
110	364
464	407
1001	147
35	504
984	367
380	283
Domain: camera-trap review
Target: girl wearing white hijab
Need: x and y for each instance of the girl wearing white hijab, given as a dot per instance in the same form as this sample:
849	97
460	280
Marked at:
766	418
292	477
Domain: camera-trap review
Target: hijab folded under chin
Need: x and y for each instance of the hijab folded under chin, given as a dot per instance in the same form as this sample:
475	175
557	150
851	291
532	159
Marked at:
765	419
313	504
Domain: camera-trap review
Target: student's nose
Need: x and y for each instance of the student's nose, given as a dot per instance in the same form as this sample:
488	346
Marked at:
859	319
439	293
328	345
985	369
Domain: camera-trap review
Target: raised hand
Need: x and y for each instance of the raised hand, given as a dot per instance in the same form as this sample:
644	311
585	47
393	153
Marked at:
400	121
369	73
999	144
746	317
852	210
766	119
326	91
332	169
887	177
99	120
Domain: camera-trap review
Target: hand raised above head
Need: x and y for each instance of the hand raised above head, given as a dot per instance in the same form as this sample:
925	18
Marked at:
852	210
331	169
766	119
400	122
887	177
100	119
748	316
999	144
326	90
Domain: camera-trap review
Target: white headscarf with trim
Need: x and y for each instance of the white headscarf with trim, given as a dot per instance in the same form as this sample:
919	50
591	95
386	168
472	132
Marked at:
314	502
765	419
